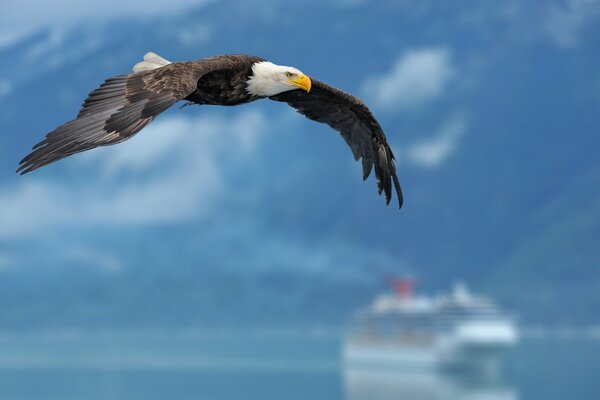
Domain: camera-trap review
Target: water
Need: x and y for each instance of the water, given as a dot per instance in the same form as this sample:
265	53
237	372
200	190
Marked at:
281	364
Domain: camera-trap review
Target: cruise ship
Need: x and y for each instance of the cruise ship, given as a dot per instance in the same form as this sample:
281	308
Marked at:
455	331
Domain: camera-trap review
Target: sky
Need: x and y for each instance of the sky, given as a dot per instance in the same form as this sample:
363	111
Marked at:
468	98
23	16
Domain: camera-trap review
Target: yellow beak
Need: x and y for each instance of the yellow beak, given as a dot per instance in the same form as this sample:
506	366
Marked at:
302	81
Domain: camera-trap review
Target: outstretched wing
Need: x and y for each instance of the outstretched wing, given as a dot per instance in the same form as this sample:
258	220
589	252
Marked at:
116	111
352	118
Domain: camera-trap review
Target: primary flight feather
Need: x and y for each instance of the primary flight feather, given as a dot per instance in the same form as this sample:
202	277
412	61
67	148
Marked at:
124	104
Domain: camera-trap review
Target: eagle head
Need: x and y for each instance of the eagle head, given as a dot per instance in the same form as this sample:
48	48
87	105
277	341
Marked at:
269	79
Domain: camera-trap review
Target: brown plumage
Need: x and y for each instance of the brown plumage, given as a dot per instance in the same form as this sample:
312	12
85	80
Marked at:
124	104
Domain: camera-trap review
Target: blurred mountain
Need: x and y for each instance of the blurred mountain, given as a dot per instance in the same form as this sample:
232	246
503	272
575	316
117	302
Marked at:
256	214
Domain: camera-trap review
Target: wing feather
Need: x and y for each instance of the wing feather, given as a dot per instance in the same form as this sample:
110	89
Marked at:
116	111
354	121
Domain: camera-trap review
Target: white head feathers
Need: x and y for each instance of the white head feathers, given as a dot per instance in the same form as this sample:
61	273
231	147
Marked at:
269	79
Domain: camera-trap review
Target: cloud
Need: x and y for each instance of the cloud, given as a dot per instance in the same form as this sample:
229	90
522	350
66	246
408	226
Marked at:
180	139
10	38
432	152
28	207
172	172
263	250
564	22
49	45
5	88
194	36
29	15
159	141
39	205
287	253
94	258
417	76
7	261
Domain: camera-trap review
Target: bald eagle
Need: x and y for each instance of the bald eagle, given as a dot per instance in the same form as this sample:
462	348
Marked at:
124	104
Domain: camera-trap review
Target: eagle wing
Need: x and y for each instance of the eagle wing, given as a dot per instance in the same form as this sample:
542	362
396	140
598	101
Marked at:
116	111
354	121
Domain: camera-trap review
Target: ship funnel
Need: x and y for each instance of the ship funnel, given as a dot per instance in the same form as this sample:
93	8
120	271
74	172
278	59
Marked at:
403	286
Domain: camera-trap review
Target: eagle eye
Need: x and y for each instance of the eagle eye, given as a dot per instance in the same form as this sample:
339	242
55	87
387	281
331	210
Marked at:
289	74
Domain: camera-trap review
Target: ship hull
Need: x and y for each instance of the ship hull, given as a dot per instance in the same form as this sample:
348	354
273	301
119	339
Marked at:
436	356
371	355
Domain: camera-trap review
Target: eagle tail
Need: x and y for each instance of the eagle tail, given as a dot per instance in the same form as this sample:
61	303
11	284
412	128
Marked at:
151	61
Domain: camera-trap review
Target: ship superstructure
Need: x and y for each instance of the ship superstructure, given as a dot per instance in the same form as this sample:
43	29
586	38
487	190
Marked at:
458	330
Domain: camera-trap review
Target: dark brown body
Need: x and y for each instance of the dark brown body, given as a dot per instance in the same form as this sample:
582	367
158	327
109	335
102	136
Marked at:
225	86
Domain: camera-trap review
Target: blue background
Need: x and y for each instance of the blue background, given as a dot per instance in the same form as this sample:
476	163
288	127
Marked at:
255	215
